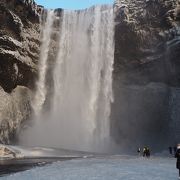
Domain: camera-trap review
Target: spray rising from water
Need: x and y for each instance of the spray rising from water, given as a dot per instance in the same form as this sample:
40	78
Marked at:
81	102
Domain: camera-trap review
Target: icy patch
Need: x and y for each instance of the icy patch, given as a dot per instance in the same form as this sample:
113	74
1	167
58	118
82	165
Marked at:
106	168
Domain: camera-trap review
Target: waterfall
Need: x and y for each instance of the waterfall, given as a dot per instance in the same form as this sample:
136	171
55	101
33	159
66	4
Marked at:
82	92
40	94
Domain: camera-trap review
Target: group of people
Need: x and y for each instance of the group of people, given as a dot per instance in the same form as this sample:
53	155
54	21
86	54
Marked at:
145	152
175	149
172	149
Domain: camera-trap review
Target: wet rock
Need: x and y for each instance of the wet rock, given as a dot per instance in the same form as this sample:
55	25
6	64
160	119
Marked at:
19	54
147	51
6	153
15	108
142	26
19	43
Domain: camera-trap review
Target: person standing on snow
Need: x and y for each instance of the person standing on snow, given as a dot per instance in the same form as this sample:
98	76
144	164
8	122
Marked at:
175	149
148	154
139	151
144	151
177	155
170	150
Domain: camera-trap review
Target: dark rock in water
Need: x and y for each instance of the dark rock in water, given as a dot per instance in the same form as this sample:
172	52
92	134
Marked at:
146	72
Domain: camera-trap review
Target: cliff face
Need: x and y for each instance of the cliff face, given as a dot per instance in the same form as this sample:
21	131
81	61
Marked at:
147	35
19	52
19	43
146	72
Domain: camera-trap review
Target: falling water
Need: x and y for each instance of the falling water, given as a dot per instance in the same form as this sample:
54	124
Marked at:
40	94
81	102
83	77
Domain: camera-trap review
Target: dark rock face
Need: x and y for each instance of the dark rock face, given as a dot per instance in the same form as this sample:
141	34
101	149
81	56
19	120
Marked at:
19	43
146	39
146	72
19	53
15	108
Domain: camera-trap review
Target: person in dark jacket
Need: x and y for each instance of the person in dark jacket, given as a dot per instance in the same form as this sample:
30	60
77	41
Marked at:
177	155
146	152
170	150
175	149
139	151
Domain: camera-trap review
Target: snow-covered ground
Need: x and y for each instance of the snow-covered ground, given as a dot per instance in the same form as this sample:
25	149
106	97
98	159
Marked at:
104	168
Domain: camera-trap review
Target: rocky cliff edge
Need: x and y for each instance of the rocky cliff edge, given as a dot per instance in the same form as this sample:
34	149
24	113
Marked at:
19	53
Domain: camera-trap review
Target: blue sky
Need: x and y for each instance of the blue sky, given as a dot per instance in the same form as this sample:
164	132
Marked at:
71	4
